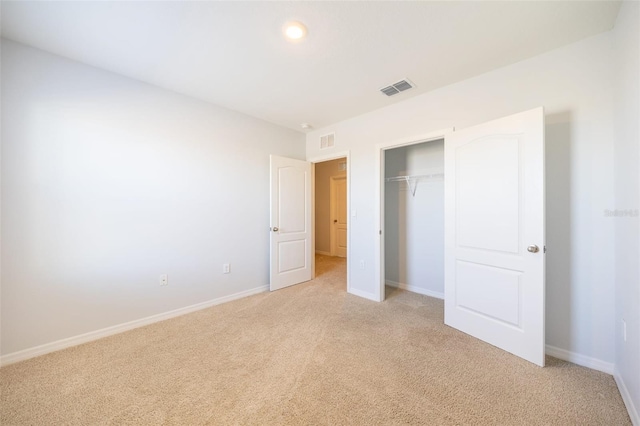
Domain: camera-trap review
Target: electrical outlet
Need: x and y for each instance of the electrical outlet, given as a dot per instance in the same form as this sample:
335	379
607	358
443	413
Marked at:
164	280
624	330
226	268
362	264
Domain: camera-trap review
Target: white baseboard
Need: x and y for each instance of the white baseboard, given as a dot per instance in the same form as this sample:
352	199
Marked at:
324	253
364	294
109	331
414	289
583	360
626	397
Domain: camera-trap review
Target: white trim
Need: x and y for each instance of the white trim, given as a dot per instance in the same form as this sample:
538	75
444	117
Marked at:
415	289
626	397
583	360
324	253
379	194
364	294
109	331
313	219
329	156
319	159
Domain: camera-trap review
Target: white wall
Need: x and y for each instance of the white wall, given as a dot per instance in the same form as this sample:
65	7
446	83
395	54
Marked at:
573	83
323	173
627	197
414	223
108	183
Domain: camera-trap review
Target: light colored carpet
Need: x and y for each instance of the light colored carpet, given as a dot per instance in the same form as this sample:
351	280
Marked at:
309	354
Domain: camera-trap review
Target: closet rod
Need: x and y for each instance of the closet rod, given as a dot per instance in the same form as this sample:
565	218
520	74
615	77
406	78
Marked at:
414	179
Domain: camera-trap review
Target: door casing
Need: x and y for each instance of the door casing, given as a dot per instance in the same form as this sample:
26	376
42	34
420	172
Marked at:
379	222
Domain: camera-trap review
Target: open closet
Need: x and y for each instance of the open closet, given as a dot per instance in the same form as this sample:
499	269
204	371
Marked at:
414	218
462	213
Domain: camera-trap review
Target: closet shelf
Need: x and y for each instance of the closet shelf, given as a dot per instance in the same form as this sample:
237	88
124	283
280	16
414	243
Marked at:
412	180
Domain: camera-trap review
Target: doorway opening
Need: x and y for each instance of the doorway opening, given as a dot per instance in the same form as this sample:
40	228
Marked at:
330	224
410	251
413	204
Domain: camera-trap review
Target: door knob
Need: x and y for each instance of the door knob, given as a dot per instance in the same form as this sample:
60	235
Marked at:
533	249
335	221
275	229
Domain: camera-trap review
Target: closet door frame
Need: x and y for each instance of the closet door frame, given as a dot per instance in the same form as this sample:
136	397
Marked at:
379	212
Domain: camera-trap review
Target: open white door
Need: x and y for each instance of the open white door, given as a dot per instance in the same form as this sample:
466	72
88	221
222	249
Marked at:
338	203
494	233
290	222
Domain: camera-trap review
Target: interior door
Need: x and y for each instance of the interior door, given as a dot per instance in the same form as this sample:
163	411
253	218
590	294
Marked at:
339	216
290	222
494	233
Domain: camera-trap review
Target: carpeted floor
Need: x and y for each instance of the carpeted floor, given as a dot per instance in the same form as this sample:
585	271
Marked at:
308	354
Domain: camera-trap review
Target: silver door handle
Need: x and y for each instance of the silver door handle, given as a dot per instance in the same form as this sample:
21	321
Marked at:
533	249
275	229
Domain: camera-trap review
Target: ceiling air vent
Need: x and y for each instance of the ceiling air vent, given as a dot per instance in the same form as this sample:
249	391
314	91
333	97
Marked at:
327	141
389	90
398	87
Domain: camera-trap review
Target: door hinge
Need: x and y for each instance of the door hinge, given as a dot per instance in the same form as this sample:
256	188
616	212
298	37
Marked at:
380	232
544	249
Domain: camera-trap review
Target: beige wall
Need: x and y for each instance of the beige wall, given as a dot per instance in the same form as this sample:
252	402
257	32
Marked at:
574	84
107	183
627	193
324	172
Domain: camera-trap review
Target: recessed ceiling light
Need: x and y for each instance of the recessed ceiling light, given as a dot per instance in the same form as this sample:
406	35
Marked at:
306	126
294	30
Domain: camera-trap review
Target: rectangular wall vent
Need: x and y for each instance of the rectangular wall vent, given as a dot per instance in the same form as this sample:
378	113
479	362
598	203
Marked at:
398	87
327	141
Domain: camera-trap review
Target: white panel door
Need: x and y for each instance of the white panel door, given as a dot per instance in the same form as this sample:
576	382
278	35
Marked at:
290	222
338	198
494	233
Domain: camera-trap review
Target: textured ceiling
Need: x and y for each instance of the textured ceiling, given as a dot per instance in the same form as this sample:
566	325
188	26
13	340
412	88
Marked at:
233	53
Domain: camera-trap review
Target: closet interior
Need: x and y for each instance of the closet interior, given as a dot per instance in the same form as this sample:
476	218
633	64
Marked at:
414	218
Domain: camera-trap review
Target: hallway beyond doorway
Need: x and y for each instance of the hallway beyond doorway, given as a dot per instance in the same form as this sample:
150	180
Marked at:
332	270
